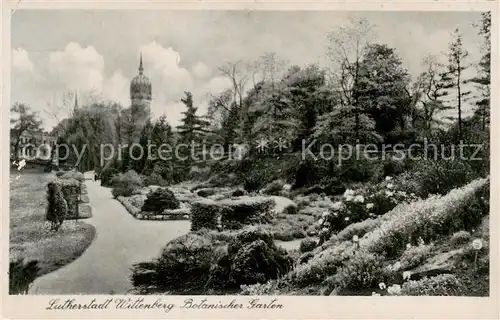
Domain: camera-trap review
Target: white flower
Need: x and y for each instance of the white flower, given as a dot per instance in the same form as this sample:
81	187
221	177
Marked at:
406	275
348	192
390	186
324	229
346	218
320	221
287	187
408	245
402	193
325	214
375	294
395	289
477	244
337	205
355	238
359	199
369	206
348	198
382	286
389	193
388	178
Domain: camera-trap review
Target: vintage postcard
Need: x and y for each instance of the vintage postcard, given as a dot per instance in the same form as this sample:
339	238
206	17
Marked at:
249	160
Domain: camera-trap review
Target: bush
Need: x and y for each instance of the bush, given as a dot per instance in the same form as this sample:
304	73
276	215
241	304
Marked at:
321	265
307	245
71	190
204	214
159	200
57	208
460	238
254	180
107	174
358	229
439	177
21	275
124	184
238	212
155	179
362	271
253	257
274	188
182	268
414	256
441	285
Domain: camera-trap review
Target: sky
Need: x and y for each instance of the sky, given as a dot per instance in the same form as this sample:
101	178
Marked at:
59	51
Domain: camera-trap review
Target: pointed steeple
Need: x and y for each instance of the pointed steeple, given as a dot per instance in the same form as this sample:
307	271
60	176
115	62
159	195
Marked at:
141	69
76	101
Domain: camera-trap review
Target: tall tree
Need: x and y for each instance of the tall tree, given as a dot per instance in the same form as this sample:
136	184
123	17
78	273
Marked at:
432	90
483	80
346	46
22	121
381	89
193	127
454	75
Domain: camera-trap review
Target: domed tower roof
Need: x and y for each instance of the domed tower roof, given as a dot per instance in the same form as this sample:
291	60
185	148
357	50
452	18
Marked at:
140	86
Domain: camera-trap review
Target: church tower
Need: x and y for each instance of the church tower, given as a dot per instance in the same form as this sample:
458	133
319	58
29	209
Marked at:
140	96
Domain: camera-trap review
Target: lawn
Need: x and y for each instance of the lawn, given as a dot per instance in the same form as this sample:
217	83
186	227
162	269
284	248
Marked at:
30	235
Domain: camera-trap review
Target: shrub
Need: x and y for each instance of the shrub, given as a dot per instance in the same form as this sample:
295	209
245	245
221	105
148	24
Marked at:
71	190
274	188
441	285
59	174
107	174
155	179
204	214
21	275
414	256
307	245
253	258
124	184
159	200
189	257
358	229
362	271
460	238
321	265
57	208
246	210
439	177
254	181
426	219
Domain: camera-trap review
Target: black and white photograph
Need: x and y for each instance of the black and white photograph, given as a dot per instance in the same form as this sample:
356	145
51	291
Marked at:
248	153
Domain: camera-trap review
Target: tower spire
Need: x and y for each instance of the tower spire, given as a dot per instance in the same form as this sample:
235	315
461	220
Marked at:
76	101
141	69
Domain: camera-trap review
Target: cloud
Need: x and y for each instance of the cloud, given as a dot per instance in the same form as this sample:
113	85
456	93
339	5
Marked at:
201	70
21	61
77	68
116	88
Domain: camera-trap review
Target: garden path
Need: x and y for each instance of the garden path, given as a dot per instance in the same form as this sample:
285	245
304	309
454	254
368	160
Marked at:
120	241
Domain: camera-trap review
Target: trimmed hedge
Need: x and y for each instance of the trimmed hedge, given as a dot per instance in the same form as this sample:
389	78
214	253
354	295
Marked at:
57	208
204	214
